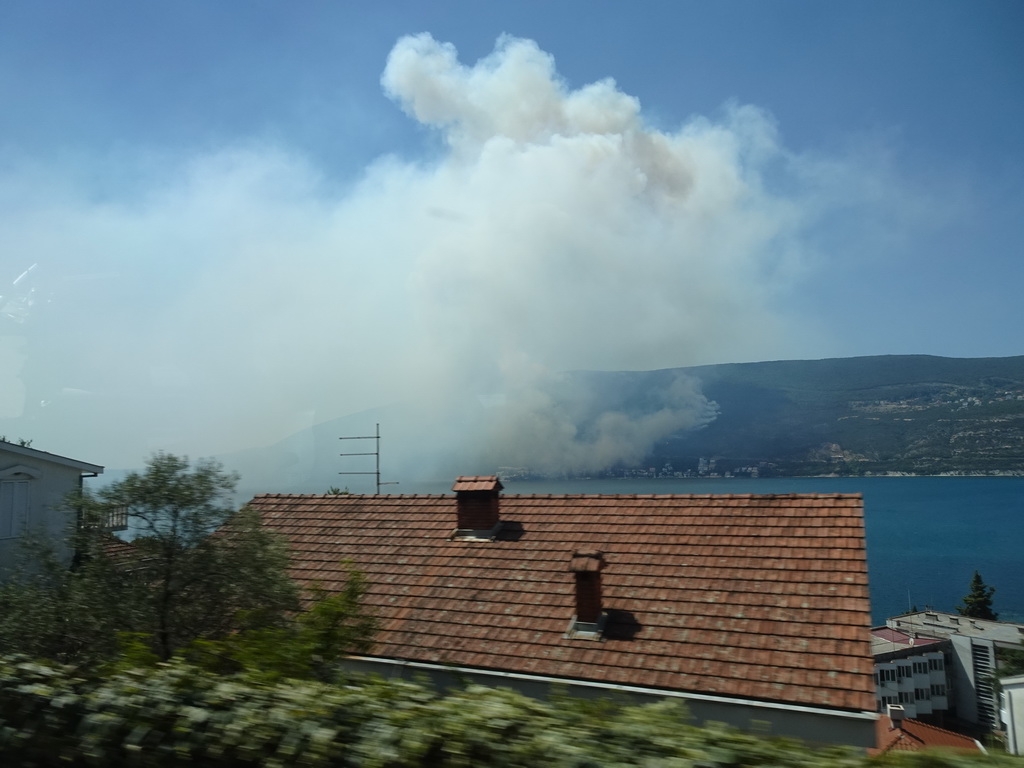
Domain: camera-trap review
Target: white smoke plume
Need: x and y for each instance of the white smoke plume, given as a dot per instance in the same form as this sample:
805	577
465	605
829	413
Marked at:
241	296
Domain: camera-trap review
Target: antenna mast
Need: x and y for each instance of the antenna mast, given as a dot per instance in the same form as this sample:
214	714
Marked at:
375	453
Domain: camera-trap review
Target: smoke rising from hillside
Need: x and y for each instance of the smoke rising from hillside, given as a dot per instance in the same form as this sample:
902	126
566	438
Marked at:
240	296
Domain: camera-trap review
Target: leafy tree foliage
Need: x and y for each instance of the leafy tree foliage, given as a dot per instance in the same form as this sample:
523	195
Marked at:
1011	661
977	604
307	648
20	441
49	611
197	570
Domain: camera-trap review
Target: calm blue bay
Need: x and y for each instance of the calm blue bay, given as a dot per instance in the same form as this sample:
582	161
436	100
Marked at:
926	535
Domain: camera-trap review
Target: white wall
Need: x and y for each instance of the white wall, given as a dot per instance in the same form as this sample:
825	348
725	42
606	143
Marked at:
815	725
905	683
33	489
1013	713
972	695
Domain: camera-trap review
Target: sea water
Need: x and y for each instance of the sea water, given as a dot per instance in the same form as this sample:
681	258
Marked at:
926	536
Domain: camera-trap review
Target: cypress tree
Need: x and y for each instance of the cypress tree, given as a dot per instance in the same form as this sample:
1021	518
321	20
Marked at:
977	604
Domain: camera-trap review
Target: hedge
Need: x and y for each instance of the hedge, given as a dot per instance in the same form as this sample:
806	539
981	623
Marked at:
177	715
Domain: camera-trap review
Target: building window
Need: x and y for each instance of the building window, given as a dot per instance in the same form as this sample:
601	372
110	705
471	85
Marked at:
906	697
938	690
903	672
935	665
920	694
887	675
920	667
13	507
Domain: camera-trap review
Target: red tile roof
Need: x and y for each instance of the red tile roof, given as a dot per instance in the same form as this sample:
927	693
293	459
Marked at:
913	735
889	635
118	549
760	597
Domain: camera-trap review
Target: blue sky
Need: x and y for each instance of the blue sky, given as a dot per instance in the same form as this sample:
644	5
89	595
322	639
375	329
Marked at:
220	226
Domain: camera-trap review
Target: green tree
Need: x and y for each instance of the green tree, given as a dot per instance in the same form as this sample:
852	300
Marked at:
197	570
1010	661
977	604
70	615
331	626
205	566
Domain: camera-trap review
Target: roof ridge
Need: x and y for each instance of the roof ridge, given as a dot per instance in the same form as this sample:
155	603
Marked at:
702	496
801	502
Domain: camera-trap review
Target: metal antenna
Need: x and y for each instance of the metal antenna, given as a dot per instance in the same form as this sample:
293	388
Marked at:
376	453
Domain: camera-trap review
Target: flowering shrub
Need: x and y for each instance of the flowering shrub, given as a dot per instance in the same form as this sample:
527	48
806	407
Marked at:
176	715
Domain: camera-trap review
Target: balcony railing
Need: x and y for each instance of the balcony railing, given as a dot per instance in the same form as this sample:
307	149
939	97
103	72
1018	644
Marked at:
116	519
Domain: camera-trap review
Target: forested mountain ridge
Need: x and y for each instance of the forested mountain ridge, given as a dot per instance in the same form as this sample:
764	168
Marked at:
911	414
851	416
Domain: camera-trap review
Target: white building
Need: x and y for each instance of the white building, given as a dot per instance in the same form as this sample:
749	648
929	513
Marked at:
907	655
943	625
33	488
911	673
1013	713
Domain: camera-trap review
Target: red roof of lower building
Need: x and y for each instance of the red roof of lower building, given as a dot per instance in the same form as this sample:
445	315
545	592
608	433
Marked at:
901	638
913	735
118	549
758	597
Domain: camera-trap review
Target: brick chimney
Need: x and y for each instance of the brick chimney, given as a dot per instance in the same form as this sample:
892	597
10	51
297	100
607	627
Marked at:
586	564
476	502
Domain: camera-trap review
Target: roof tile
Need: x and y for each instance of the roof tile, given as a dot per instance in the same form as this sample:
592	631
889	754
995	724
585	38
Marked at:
751	596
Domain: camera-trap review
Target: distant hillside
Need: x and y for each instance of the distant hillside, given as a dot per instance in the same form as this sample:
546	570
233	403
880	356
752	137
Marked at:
850	416
915	414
